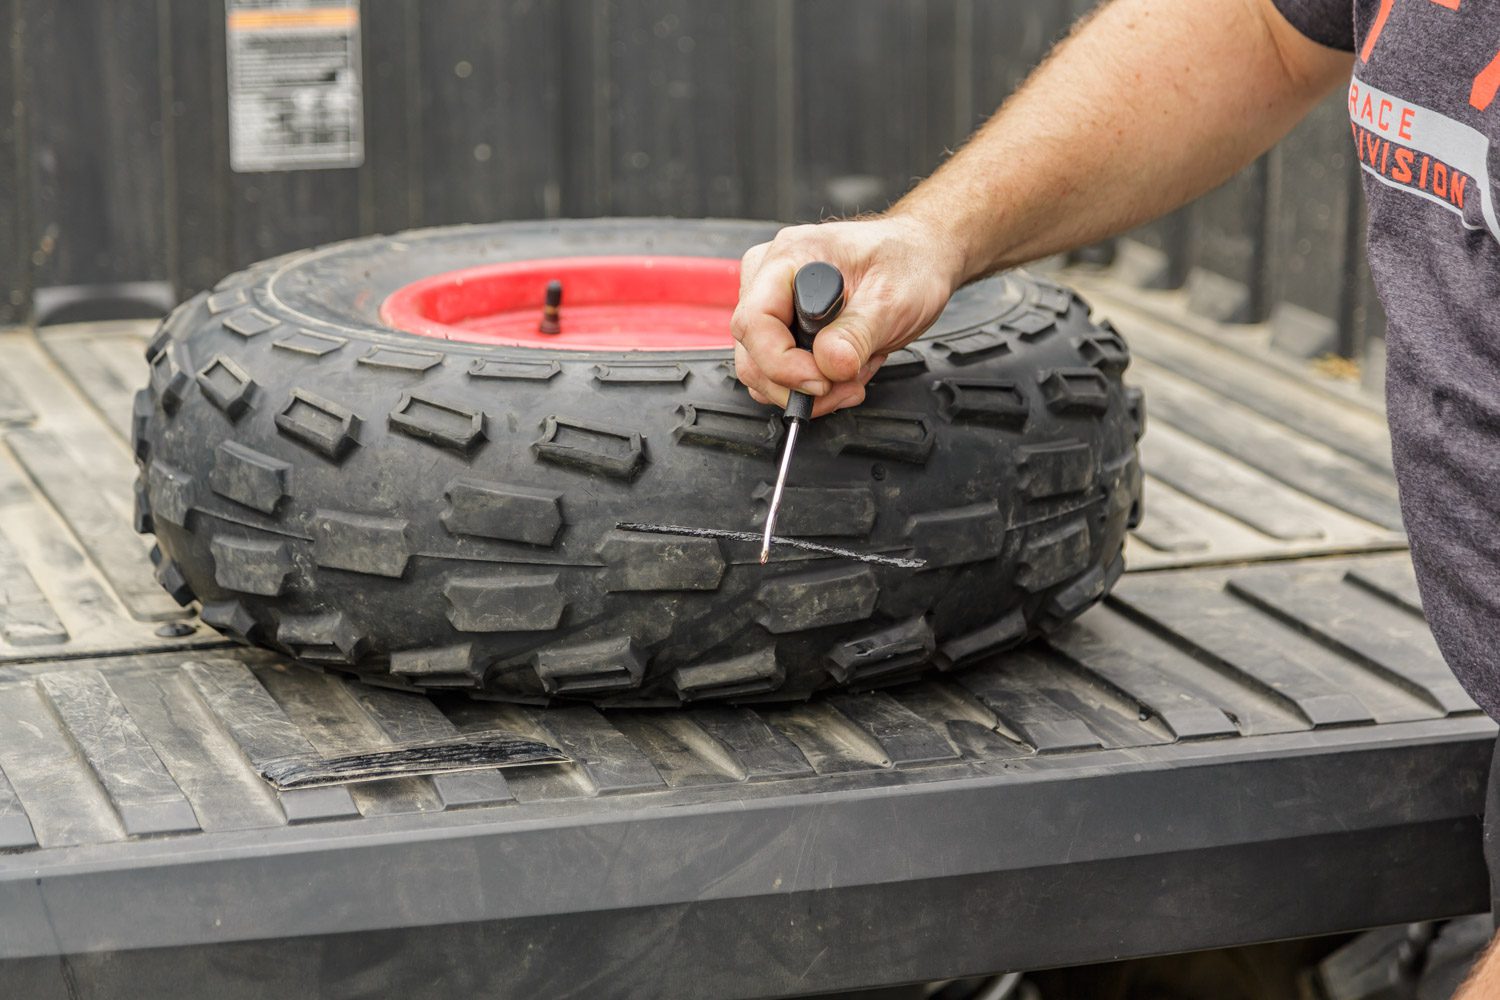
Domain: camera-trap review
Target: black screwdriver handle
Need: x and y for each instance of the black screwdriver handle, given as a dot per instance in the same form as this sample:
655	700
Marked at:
817	298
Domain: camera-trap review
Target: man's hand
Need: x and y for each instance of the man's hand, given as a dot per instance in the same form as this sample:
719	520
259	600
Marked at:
898	276
1149	104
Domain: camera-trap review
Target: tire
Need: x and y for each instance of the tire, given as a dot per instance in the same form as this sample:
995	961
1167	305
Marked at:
434	514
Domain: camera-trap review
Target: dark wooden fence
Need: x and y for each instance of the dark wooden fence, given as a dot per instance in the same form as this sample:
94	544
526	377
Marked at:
114	164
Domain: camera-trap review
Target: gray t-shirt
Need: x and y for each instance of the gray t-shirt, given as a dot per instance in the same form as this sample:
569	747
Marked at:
1425	115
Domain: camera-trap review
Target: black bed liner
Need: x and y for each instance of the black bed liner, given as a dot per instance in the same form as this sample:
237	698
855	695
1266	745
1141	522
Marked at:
1254	738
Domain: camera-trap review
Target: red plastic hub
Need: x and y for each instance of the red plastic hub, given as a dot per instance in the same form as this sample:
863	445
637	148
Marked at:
608	304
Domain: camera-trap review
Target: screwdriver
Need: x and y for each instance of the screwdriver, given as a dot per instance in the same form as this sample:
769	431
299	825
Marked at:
817	297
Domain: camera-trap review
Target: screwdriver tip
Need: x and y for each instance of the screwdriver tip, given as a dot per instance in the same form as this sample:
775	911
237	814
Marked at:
765	554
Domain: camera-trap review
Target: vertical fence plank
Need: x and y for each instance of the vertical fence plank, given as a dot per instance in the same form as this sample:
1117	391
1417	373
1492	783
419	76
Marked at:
197	147
764	82
677	135
389	193
489	120
94	118
1231	228
134	188
273	212
584	115
861	110
1309	248
1009	40
15	251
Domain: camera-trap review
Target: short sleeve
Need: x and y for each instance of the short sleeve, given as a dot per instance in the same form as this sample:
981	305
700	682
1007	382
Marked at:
1327	22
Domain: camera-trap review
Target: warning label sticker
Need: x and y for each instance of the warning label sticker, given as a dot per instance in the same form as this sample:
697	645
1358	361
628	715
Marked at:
295	101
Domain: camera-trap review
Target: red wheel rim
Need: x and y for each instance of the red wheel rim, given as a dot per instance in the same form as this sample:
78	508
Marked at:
608	304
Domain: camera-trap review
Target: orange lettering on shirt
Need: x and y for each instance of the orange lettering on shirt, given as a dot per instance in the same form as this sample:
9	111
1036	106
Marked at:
1456	189
1376	27
1485	85
1402	172
1404	129
1385	108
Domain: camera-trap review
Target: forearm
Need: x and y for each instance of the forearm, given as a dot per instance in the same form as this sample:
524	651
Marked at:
1149	104
1484	979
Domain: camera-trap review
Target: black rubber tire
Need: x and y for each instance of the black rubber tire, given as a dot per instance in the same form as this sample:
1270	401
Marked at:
431	514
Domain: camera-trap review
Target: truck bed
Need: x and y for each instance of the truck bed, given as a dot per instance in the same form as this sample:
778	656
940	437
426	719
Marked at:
1253	738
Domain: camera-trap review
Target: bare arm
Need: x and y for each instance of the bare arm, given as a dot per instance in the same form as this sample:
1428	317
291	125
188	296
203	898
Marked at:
1146	105
1484	978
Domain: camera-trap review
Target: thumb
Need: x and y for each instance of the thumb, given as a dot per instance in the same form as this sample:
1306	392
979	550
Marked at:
846	344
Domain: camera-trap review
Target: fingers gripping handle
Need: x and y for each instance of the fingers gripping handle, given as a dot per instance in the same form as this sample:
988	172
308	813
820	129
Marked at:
817	297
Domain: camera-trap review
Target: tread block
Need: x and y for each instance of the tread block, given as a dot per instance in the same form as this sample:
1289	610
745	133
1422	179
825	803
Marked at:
1135	401
227	386
320	638
440	666
507	603
498	510
660	562
141	409
591	447
754	673
907	437
995	637
322	425
882	653
222	302
613	664
251	565
845	511
813	600
901	364
249	322
1052	297
169	381
640	374
447	425
161	337
173	582
171	493
1056	469
361	543
739	429
399	360
530	371
1055	556
230	617
985	401
973	345
307	342
957	535
1032	325
1072	600
248	477
1071	389
1106	351
141	510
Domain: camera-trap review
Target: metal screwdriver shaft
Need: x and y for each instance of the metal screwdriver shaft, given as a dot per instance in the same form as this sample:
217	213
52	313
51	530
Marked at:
817	297
786	463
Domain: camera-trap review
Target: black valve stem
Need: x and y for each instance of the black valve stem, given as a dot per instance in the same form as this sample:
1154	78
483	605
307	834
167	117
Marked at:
549	322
